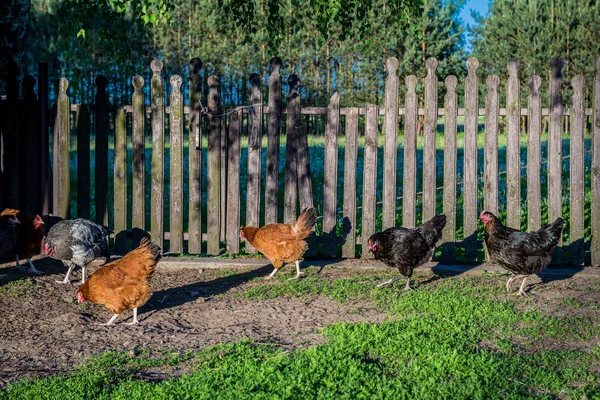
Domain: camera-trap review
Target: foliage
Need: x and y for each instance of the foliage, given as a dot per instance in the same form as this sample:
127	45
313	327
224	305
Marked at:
448	339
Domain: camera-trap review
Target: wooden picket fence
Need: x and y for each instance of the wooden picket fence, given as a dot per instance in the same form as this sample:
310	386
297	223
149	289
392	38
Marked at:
223	129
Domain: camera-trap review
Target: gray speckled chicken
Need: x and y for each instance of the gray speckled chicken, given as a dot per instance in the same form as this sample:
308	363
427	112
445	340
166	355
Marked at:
76	242
8	233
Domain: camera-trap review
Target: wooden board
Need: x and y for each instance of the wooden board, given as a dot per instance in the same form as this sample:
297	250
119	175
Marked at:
534	130
274	133
369	178
176	171
233	183
409	183
120	182
470	161
349	221
577	172
390	151
449	233
555	150
195	160
513	148
139	146
332	127
157	203
429	132
255	126
214	167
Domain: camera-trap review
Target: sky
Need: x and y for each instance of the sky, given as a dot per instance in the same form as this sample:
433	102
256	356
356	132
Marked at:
481	6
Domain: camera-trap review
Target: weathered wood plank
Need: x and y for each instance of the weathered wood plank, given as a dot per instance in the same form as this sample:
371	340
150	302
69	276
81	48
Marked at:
195	160
223	184
409	184
577	223
158	152
255	126
330	170
120	181
176	172
390	129
214	167
349	224
470	161
513	151
491	145
83	162
534	130
595	245
10	138
233	183
62	138
491	148
369	178
555	150
139	147
290	204
449	233
45	181
29	159
429	132
102	123
274	134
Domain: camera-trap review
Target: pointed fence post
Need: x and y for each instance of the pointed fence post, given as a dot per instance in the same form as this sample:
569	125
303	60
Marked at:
429	133
290	204
369	200
157	104
450	113
30	157
214	167
233	182
490	161
534	130
409	182
274	135
120	181
332	128
555	150
513	147
62	138
195	160
390	147
101	162
83	162
349	222
11	170
45	177
139	156
255	124
470	161
577	222
176	172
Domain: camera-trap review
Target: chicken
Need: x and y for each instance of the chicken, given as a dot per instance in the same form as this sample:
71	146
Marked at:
29	238
282	243
519	252
407	249
76	242
123	284
8	233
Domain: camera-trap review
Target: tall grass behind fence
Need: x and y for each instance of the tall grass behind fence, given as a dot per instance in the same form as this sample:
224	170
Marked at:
192	175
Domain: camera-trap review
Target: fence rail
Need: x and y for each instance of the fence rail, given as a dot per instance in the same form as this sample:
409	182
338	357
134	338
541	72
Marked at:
460	197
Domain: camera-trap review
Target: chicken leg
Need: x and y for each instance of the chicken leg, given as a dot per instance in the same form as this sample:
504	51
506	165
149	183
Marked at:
83	274
272	274
298	273
394	279
111	321
521	291
511	279
135	320
32	268
407	286
66	280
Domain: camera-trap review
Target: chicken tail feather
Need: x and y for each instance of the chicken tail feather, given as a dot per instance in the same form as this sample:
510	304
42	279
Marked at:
305	223
552	233
432	229
142	261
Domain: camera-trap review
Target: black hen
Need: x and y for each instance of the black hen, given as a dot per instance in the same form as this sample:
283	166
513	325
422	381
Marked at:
76	242
520	252
406	249
8	233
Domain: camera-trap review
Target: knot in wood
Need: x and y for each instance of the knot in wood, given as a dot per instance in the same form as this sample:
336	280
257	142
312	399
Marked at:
431	65
63	85
156	66
138	82
276	64
101	83
213	81
472	64
293	81
513	68
411	83
492	82
392	64
451	82
176	82
255	80
195	65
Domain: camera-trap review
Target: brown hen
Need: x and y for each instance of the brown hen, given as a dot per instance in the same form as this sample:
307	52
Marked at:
282	243
29	238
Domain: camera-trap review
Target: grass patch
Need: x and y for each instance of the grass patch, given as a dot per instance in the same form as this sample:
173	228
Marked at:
17	288
450	338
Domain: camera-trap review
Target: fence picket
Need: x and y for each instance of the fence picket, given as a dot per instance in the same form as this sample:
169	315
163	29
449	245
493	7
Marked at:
555	150
290	204
470	161
349	222
595	246
513	148
274	133
576	224
83	162
214	167
62	138
330	181
369	177
534	192
233	183
158	152
450	111
120	181
390	147
30	161
195	160
409	188
491	145
176	172
429	133
139	149
255	125
102	120
44	181
10	137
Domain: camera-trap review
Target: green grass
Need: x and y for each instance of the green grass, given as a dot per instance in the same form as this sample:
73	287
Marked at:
451	339
17	288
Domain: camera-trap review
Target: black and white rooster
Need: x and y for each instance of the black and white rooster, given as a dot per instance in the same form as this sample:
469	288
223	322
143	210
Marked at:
76	242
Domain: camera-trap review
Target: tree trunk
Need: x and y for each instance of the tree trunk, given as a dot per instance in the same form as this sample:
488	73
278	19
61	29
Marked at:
14	17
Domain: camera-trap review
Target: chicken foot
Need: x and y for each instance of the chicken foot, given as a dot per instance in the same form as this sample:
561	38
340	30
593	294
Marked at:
298	273
521	291
272	274
32	268
135	320
390	281
511	279
111	321
66	280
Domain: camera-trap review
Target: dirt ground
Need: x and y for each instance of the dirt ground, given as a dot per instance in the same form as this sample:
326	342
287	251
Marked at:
44	331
